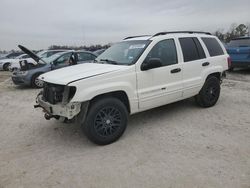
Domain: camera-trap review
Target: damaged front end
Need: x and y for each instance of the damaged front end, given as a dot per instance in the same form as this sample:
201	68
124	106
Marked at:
55	101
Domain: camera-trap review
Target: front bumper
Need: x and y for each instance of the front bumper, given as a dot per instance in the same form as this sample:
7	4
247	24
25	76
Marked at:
68	110
20	80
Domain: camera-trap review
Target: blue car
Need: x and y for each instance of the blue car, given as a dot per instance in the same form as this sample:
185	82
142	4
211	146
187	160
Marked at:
28	75
239	51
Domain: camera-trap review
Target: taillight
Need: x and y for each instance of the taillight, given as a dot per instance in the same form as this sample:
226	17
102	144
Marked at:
229	62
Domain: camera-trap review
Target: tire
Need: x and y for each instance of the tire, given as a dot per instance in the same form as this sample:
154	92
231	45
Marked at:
210	92
35	82
106	121
6	66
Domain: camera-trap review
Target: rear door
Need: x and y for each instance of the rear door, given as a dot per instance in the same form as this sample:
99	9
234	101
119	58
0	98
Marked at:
194	63
162	85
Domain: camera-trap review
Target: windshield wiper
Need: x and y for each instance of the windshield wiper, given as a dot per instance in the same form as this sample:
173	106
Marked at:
109	61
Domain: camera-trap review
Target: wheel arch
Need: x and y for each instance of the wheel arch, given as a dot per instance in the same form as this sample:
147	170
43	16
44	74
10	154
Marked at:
119	94
32	76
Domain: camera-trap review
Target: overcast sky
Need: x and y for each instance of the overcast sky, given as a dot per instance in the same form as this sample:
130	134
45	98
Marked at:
41	23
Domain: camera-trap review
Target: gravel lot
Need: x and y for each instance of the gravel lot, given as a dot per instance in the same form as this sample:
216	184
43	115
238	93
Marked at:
178	145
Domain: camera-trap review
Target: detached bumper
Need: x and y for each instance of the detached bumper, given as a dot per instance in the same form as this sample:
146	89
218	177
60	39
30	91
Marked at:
68	110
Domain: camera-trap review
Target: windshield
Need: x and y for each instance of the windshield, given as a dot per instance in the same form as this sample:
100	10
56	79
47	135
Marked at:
239	43
53	57
123	53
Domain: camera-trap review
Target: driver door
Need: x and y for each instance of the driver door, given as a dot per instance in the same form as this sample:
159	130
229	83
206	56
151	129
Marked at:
161	85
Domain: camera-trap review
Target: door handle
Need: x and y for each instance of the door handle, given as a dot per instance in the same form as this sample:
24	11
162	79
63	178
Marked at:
175	70
205	64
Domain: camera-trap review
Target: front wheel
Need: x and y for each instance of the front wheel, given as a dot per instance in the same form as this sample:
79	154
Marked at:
210	92
35	82
106	121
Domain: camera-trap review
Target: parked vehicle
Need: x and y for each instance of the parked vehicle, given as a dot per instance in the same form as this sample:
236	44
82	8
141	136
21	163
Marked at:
11	55
6	62
239	51
15	65
134	75
29	75
99	52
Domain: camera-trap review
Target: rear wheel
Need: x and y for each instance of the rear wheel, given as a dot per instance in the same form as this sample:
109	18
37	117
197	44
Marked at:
6	66
210	92
106	121
35	82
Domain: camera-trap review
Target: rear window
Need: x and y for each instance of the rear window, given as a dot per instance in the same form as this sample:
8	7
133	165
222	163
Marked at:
191	49
213	46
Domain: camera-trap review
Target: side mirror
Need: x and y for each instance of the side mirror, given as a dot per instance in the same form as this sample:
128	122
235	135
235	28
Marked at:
151	64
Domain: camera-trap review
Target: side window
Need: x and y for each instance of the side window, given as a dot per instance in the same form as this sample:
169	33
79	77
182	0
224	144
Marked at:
64	58
82	56
191	49
199	48
164	50
213	46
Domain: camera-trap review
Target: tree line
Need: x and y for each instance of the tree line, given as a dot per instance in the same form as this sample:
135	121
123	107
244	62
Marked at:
88	48
233	32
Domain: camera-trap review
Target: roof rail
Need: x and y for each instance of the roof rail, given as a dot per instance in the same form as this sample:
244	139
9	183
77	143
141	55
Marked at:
135	37
171	32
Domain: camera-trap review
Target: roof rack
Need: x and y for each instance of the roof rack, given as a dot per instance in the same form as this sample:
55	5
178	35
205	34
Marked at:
171	32
135	37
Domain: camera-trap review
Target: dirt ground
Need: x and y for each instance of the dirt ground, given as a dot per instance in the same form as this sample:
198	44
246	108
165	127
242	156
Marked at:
177	145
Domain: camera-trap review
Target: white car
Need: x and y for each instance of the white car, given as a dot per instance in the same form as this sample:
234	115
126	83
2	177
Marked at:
5	63
135	75
15	65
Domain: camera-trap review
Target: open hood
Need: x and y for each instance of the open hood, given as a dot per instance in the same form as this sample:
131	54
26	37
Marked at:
74	73
31	54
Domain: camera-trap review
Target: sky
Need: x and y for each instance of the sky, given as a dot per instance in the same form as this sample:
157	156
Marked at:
37	24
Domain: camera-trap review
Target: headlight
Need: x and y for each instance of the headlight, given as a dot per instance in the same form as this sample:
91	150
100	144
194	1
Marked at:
23	72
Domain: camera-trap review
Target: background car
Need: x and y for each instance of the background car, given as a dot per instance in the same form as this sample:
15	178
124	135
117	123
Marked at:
11	55
239	51
6	62
43	54
29	75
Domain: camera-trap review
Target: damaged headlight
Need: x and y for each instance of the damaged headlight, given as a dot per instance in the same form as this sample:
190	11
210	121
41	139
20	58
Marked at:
54	93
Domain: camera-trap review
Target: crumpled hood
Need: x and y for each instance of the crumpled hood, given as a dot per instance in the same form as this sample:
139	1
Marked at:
74	73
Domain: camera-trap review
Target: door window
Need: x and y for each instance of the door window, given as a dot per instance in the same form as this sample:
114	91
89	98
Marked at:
191	49
164	50
64	59
82	56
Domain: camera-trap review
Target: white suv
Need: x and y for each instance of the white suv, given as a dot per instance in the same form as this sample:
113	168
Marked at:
134	75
